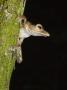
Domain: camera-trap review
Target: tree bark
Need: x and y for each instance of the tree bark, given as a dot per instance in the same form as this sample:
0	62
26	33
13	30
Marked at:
9	29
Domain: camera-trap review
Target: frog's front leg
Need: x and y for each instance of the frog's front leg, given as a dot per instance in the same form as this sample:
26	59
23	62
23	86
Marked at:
19	50
19	55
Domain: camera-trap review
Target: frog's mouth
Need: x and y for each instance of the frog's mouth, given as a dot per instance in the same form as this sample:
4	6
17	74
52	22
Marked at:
42	33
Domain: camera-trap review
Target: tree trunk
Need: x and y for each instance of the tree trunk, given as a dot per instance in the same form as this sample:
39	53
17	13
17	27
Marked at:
9	29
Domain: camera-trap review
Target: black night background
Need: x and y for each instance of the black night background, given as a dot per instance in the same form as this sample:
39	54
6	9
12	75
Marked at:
45	59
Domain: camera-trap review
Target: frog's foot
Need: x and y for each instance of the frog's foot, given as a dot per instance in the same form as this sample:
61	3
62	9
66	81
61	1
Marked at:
19	60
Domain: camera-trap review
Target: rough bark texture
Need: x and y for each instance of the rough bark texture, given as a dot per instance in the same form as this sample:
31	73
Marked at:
9	28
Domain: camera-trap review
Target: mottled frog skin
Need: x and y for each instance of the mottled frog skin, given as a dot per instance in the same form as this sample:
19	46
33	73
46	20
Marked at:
26	30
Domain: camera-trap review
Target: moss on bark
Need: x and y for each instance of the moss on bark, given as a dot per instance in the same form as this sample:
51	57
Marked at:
9	28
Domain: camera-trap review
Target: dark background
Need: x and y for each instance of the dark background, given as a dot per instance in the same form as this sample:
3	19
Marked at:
45	59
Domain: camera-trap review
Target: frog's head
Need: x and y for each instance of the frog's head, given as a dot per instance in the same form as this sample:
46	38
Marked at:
39	31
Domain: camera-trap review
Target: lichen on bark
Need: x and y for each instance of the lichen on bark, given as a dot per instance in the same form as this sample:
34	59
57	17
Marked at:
9	29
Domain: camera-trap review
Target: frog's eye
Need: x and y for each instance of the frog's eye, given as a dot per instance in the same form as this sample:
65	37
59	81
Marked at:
22	21
39	26
19	38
